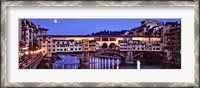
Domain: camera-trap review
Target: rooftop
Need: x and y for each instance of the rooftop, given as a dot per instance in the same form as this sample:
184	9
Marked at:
42	29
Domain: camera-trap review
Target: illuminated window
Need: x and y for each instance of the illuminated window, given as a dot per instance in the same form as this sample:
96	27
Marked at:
112	39
97	39
104	39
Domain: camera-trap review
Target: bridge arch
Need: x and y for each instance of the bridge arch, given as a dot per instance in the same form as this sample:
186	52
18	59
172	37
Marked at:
122	57
112	46
104	46
151	57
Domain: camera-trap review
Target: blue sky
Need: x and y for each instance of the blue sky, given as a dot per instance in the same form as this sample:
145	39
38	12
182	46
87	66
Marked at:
87	26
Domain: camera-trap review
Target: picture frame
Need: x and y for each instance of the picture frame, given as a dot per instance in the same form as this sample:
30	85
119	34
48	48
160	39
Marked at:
4	53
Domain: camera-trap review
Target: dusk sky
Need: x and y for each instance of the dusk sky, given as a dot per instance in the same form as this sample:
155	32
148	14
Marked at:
88	26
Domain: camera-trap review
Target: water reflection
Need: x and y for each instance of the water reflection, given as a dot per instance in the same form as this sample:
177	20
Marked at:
67	62
73	62
103	63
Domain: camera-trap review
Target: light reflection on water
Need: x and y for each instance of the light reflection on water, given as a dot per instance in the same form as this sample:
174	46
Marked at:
67	62
72	62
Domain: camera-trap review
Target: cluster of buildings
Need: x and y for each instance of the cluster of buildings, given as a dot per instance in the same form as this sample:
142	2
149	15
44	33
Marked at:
149	27
72	43
172	41
28	40
60	43
80	43
150	36
169	35
141	44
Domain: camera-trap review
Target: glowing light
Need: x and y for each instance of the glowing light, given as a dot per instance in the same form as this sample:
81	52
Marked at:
55	21
21	54
37	51
138	64
26	52
25	48
117	66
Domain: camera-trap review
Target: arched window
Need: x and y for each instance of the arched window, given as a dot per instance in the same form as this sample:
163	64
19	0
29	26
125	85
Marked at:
104	45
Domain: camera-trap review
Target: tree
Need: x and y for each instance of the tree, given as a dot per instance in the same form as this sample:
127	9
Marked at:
93	33
104	45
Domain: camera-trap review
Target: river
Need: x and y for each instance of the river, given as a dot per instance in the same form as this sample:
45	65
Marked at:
73	62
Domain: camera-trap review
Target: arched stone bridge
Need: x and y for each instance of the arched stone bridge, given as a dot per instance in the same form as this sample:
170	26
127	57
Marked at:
111	54
123	56
141	56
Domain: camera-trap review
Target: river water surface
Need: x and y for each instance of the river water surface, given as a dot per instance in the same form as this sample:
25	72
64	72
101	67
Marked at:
73	62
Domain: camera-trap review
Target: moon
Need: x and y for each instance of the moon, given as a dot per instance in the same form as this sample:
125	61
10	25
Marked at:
55	21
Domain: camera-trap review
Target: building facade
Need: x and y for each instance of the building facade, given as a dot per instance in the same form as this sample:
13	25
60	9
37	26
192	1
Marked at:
28	40
63	43
141	44
172	41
